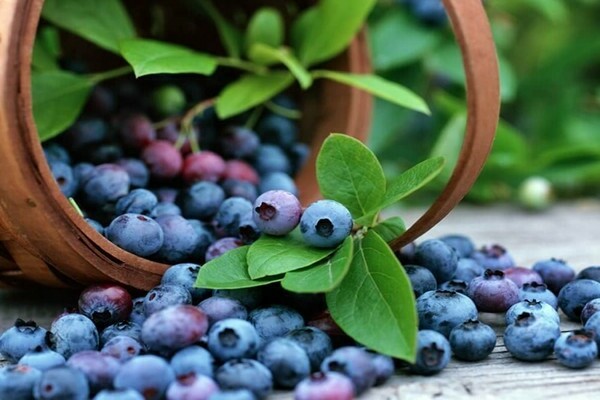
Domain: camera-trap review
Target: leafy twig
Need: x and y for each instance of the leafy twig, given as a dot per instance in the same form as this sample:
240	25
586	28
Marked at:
113	73
283	111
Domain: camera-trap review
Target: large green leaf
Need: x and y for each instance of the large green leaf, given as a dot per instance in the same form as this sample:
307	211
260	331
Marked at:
231	37
229	271
46	49
249	91
271	255
348	172
324	276
390	229
378	86
266	27
104	23
58	98
264	52
329	30
374	304
153	57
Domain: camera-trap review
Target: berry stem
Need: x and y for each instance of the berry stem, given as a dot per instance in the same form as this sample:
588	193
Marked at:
242	64
113	73
76	206
254	117
283	111
187	130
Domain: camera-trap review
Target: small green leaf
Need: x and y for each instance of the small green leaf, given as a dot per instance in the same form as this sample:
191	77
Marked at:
58	98
153	57
377	86
249	91
231	37
323	276
105	25
229	271
42	59
390	229
263	52
374	304
348	172
265	27
277	255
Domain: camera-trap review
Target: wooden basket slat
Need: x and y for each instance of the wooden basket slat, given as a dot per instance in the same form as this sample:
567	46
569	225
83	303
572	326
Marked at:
33	267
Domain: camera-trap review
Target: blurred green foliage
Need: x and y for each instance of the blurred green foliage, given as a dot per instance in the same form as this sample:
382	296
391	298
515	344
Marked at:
549	52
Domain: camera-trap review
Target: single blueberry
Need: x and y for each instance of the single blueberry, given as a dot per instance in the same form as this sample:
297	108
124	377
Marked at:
17	382
42	358
575	295
278	130
277	181
355	363
468	269
325	385
123	328
275	321
163	296
106	183
314	341
493	257
270	158
192	360
521	276
99	369
433	353
221	247
64	177
437	257
136	234
123	348
62	383
165	208
531	338
138	201
463	245
201	200
192	387
592	273
137	171
537	308
23	337
233	338
233	216
150	375
73	333
472	340
218	308
540	292
287	361
325	223
576	349
492	292
238	142
555	273
245	374
277	212
590	308
185	275
442	310
237	188
179	241
105	304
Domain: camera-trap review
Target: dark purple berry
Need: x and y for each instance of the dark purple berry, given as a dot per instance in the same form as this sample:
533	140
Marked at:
315	342
492	292
238	142
137	132
278	130
105	304
99	369
591	308
521	276
219	308
163	160
221	247
493	257
241	171
203	166
555	273
355	363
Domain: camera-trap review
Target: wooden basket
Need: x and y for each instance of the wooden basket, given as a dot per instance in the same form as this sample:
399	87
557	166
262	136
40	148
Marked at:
44	242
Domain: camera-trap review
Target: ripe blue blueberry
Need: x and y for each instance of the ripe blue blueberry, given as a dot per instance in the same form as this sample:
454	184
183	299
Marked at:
287	361
592	273
492	292
185	275
201	200
277	212
315	342
593	324
205	238
270	158
136	234
138	201
576	349
433	353
472	340
62	383
99	369
442	310
575	295
165	208
233	338
192	387
555	273
42	358
234	218
463	245
278	130
275	321
23	337
591	308
355	363
493	257
238	188
56	152
17	382
238	142
325	386
163	296
105	304
85	132
245	374
64	177
467	269
119	394
455	285
421	279
150	375
106	183
437	257
192	360
137	171
537	308
218	308
124	328
277	181
531	338
96	225
123	348
325	223
540	292
180	239
138	314
384	367
73	333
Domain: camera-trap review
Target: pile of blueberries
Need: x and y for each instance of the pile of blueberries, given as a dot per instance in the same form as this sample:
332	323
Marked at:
139	183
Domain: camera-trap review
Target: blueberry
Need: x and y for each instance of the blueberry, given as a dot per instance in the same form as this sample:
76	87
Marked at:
472	340
245	374
277	212
42	358
442	310
105	304
23	337
315	342
467	269
492	292
105	153
555	273
241	171
168	100
174	328
531	338
123	348
278	130
164	161
540	292
233	338
55	152
163	296
201	200
521	276
192	360
592	273
123	328
593	324
270	158
180	239
73	333
575	295
325	223
85	133
118	394
455	285
106	183
221	247
17	382
164	208
82	172
241	394
96	225
62	383
431	12
138	201
234	215
384	367
590	308
192	387
433	353
185	275
325	386
277	181
138	314
64	177
166	194
205	238
137	131
406	254
136	234
219	308
204	166
275	321
150	375
355	363
437	257
137	171
237	188
99	369
249	297
576	349
462	244
287	361
537	308
238	142
493	257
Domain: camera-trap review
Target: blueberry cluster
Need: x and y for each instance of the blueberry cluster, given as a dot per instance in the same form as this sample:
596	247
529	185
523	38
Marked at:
148	187
180	342
453	282
430	12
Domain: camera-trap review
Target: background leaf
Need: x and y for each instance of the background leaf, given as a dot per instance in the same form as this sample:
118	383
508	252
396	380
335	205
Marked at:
263	52
58	98
231	37
154	57
265	27
348	172
377	86
323	276
390	229
104	25
374	304
249	91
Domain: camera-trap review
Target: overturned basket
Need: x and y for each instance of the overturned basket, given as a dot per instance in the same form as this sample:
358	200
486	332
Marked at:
44	241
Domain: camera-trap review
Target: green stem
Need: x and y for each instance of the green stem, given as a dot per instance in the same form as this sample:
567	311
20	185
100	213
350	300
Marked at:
187	130
113	73
242	64
76	206
283	111
254	117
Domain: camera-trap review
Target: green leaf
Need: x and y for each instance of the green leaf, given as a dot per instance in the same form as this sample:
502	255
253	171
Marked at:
412	180
58	98
374	304
249	91
348	172
265	27
271	255
231	37
323	276
153	57
390	229
327	31
105	24
263	52
229	271
377	86
42	59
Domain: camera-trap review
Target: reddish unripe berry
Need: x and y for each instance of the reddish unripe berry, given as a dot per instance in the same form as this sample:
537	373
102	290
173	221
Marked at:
137	131
203	166
242	171
163	159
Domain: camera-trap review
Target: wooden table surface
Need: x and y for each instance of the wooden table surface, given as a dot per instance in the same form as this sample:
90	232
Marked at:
568	231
